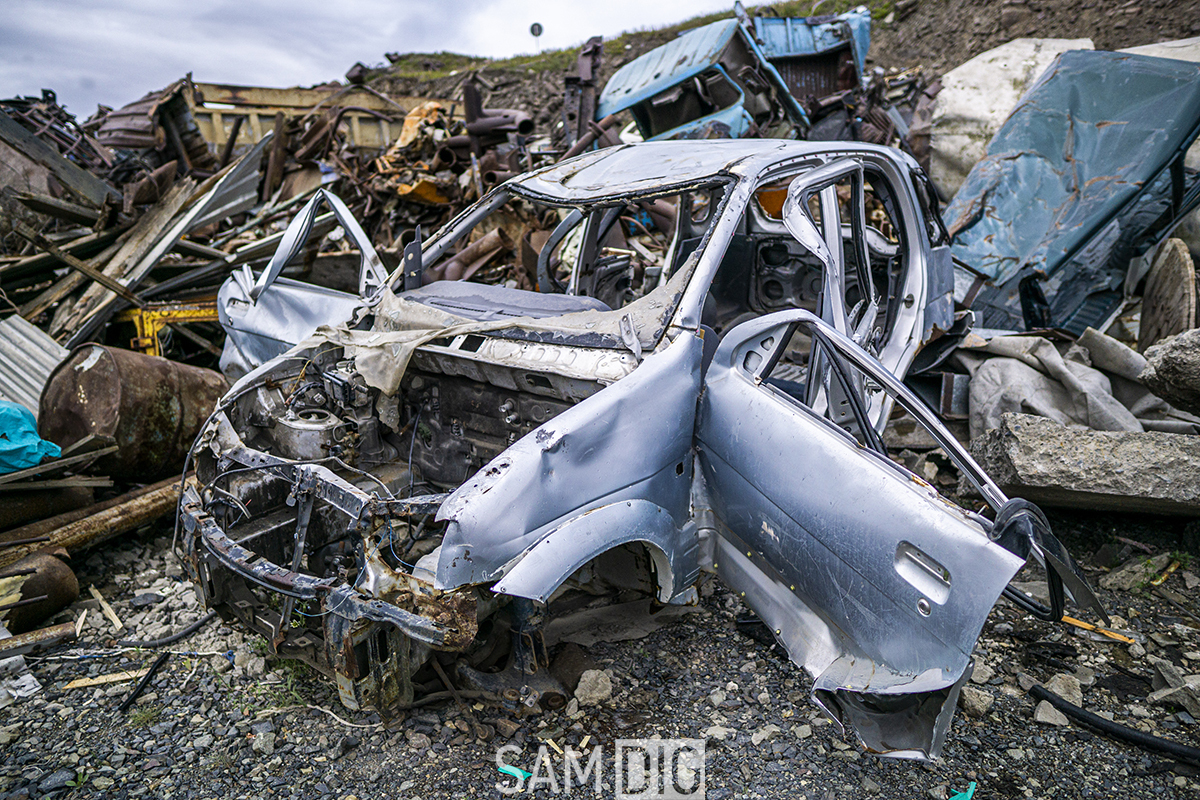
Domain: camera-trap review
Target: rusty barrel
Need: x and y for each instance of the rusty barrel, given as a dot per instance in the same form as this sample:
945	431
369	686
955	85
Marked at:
153	407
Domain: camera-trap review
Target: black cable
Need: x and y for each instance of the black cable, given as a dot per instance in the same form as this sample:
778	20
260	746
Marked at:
143	683
172	638
1115	729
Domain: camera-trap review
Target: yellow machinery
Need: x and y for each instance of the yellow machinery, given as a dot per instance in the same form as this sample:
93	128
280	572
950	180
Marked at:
151	320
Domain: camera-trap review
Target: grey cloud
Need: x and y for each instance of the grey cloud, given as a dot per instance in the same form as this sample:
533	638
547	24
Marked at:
114	52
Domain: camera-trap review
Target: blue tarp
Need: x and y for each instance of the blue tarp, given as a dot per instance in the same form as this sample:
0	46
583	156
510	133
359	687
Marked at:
1085	174
20	445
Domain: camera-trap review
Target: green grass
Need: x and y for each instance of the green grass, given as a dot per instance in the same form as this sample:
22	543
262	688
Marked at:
297	678
145	716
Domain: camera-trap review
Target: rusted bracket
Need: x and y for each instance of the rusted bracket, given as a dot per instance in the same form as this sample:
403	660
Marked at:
302	496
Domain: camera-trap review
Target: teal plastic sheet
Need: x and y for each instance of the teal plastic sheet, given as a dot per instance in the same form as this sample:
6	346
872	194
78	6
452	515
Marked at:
20	445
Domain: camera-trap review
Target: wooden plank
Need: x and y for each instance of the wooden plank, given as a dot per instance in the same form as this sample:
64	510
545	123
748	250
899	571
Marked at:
107	609
112	677
190	248
297	98
91	242
79	530
57	483
59	209
266	246
42	639
68	283
78	180
74	263
145	234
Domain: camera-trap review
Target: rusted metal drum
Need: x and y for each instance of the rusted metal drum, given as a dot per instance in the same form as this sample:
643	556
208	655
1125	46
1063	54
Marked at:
153	407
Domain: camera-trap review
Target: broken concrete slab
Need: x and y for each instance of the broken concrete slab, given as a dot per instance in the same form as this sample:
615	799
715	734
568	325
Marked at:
1166	674
1134	572
1181	696
1173	688
1042	461
975	702
594	688
1049	715
1067	687
1173	370
1169	302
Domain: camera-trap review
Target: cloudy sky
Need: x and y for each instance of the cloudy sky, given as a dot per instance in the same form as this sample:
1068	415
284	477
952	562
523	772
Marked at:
114	51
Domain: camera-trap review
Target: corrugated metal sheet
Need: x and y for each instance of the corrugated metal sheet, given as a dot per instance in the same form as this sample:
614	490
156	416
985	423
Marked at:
27	357
814	76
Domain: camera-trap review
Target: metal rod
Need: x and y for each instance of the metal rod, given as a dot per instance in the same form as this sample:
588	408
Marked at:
27	602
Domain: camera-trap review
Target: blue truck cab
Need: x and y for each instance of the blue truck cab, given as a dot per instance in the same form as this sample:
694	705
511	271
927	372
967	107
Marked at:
724	80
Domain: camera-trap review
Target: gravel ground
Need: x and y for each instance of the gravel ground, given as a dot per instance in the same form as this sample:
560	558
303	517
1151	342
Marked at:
222	720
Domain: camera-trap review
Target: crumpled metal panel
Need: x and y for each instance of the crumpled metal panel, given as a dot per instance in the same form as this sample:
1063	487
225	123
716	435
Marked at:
1074	185
880	600
650	166
27	357
592	455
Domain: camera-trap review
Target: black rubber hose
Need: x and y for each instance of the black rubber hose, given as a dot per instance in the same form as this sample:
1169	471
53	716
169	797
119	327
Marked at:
143	683
1115	729
174	637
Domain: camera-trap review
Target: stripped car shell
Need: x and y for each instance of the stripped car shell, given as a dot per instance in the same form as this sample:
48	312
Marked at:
712	82
442	474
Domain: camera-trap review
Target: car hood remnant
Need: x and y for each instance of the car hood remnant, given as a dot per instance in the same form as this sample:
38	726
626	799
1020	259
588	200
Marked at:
454	466
1086	174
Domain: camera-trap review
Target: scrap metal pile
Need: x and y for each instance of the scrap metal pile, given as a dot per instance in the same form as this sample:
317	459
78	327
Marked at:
116	233
475	376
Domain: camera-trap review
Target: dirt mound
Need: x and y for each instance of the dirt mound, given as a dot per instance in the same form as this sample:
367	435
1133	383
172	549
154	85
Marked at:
941	34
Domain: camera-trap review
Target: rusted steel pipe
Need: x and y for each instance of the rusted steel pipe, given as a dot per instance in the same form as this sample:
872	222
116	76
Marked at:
515	121
494	177
467	262
445	157
30	540
28	600
43	639
33	504
127	513
47	526
593	133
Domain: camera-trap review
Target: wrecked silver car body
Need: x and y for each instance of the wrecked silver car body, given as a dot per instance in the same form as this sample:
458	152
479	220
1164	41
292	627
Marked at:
444	472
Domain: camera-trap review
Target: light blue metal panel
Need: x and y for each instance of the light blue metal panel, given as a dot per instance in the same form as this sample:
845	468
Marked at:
663	67
801	36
